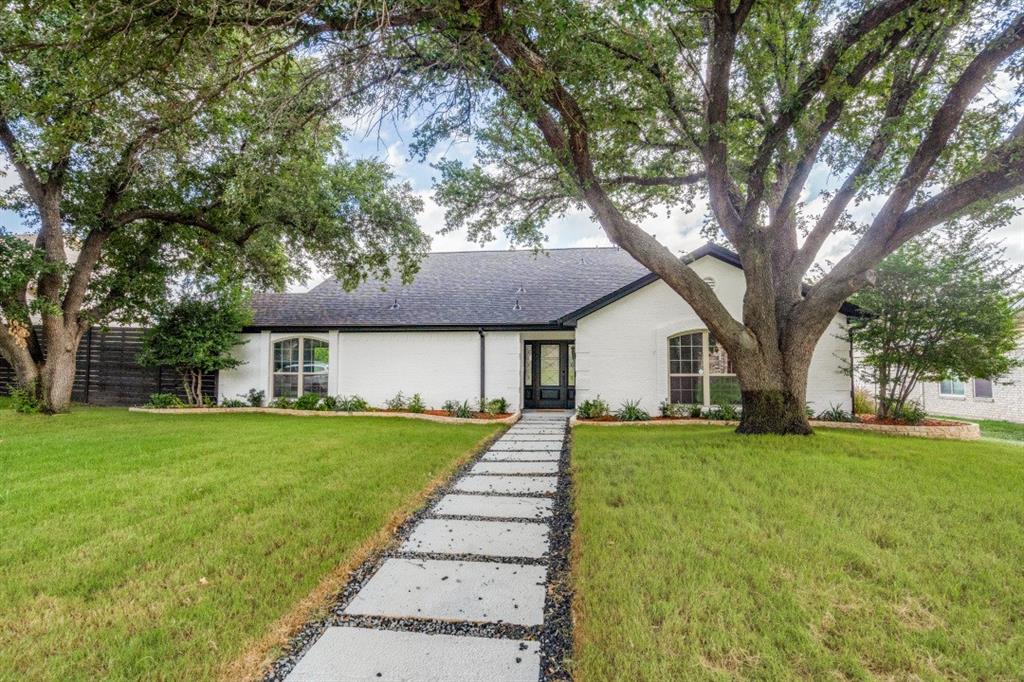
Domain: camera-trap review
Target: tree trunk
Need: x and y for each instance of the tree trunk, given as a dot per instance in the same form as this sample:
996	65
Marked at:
57	374
773	385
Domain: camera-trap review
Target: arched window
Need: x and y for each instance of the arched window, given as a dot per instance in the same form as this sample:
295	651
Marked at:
699	371
300	366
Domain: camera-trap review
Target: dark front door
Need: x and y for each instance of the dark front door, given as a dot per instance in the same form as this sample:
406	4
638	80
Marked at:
549	373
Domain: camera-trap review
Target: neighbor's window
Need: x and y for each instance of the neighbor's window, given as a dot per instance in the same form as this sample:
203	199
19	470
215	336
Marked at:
982	388
300	366
951	387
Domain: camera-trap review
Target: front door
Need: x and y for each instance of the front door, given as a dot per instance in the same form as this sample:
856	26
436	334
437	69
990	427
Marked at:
549	374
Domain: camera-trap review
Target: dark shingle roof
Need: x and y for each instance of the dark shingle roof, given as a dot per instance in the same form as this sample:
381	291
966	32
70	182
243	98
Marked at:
471	288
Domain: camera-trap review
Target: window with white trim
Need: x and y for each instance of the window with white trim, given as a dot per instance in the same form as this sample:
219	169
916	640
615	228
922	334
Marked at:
983	388
700	372
300	365
953	388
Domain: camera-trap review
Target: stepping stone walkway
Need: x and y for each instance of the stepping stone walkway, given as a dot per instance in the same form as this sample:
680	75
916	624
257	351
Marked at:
477	560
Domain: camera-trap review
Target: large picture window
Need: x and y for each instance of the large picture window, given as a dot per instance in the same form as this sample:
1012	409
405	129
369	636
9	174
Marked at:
700	372
300	366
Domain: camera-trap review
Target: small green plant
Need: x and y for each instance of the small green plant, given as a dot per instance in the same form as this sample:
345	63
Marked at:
254	398
233	402
308	401
416	404
164	400
397	403
352	404
283	403
672	410
724	412
808	410
496	406
328	403
24	400
910	412
592	409
863	403
632	412
456	409
696	411
835	413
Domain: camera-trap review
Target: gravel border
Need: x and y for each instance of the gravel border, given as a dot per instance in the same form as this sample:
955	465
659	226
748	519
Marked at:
555	635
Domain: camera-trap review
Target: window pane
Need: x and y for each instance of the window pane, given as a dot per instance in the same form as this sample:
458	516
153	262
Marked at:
982	388
685	354
286	356
725	390
549	364
718	359
686	390
528	364
572	364
951	387
286	385
314	383
314	355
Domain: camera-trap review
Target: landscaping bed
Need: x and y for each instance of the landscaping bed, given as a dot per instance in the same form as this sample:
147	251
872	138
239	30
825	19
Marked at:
137	546
427	415
703	554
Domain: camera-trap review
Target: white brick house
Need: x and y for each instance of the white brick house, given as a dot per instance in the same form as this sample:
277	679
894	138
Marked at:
541	330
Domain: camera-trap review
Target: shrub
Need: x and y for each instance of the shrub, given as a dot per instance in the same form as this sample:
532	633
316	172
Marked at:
673	410
910	412
834	413
397	403
24	400
592	409
163	400
308	401
724	412
496	406
233	402
632	412
457	409
863	403
416	404
328	403
352	404
283	403
696	411
254	398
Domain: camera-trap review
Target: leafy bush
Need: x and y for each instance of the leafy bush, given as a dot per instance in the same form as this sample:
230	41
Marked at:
163	400
632	412
308	401
397	403
910	412
328	403
863	403
24	400
254	398
835	413
352	404
457	409
233	402
808	410
496	406
592	409
674	410
283	403
724	412
416	404
696	411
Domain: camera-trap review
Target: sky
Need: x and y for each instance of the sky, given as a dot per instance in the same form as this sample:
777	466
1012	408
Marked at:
680	231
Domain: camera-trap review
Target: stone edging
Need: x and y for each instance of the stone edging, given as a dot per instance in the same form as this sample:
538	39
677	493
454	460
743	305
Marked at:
956	430
511	419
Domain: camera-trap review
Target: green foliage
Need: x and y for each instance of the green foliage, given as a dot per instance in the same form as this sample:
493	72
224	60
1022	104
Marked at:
233	402
496	406
456	409
308	401
835	413
416	404
283	403
942	306
724	411
630	411
25	399
399	402
328	403
165	400
352	403
910	412
863	402
592	409
255	398
676	410
696	411
196	335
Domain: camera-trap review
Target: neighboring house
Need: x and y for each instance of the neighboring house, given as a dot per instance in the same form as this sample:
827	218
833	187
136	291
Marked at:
981	398
542	330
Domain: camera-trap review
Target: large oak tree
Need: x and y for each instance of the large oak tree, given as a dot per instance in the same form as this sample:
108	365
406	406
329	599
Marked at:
149	146
622	107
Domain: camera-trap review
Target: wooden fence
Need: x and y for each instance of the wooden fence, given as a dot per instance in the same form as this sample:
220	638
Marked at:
108	373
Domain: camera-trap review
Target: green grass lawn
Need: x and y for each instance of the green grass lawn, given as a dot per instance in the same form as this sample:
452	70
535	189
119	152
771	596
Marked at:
703	554
1000	430
137	546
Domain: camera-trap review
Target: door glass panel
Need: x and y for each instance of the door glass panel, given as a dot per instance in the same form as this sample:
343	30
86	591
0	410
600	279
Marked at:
528	365
549	364
572	364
